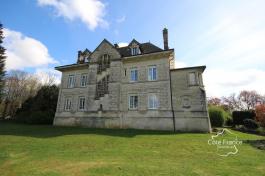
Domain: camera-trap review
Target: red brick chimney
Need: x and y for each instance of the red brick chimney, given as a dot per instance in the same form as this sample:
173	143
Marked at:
165	37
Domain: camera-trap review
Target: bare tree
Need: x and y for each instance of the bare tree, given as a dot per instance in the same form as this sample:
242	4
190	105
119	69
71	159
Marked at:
231	102
47	78
19	86
214	101
249	99
246	100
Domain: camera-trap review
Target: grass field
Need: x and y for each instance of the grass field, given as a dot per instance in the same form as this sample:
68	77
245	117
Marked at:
45	150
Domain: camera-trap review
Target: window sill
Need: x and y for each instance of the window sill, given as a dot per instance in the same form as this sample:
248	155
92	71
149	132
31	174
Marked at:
136	109
153	109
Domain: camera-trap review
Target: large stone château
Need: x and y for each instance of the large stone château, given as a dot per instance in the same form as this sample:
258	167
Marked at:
135	86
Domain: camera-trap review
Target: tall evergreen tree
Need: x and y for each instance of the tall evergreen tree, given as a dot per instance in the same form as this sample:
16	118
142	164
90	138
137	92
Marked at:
2	62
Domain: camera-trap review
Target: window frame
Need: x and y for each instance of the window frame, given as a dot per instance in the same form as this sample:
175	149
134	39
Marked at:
135	70
151	77
153	100
195	83
71	84
79	103
85	80
134	105
134	51
67	104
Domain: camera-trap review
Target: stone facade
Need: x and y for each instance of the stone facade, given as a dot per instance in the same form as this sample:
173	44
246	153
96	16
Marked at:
155	96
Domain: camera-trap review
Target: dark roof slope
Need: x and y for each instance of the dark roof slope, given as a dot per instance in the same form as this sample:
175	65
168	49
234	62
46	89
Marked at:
145	48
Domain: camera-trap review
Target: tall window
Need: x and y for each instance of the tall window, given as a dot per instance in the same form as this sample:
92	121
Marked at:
152	73
71	81
83	80
134	75
133	102
82	103
67	104
192	79
152	101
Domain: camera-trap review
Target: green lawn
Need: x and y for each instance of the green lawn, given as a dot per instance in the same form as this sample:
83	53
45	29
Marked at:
46	150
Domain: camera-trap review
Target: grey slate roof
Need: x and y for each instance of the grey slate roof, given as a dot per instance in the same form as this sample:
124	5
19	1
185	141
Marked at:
145	48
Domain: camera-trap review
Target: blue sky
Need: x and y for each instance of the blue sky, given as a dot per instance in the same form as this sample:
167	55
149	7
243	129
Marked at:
227	36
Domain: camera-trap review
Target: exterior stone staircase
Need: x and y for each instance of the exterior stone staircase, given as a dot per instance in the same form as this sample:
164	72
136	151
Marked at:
102	81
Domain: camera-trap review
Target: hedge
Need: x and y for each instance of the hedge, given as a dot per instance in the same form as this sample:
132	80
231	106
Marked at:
240	116
250	124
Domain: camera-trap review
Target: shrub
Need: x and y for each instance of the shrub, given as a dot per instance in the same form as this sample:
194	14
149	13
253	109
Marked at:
217	117
239	116
41	108
41	117
229	122
250	124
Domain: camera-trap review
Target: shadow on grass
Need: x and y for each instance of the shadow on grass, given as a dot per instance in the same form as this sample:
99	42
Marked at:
47	131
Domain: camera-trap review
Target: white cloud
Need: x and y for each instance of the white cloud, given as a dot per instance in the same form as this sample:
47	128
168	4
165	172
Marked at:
232	48
23	51
90	12
121	19
180	64
222	82
122	44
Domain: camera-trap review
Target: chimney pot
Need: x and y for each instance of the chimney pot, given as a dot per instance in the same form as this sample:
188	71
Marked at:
165	37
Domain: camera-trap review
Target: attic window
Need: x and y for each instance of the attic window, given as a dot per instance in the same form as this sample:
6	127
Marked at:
134	51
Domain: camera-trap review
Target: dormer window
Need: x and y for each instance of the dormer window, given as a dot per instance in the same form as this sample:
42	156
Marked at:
135	50
135	47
